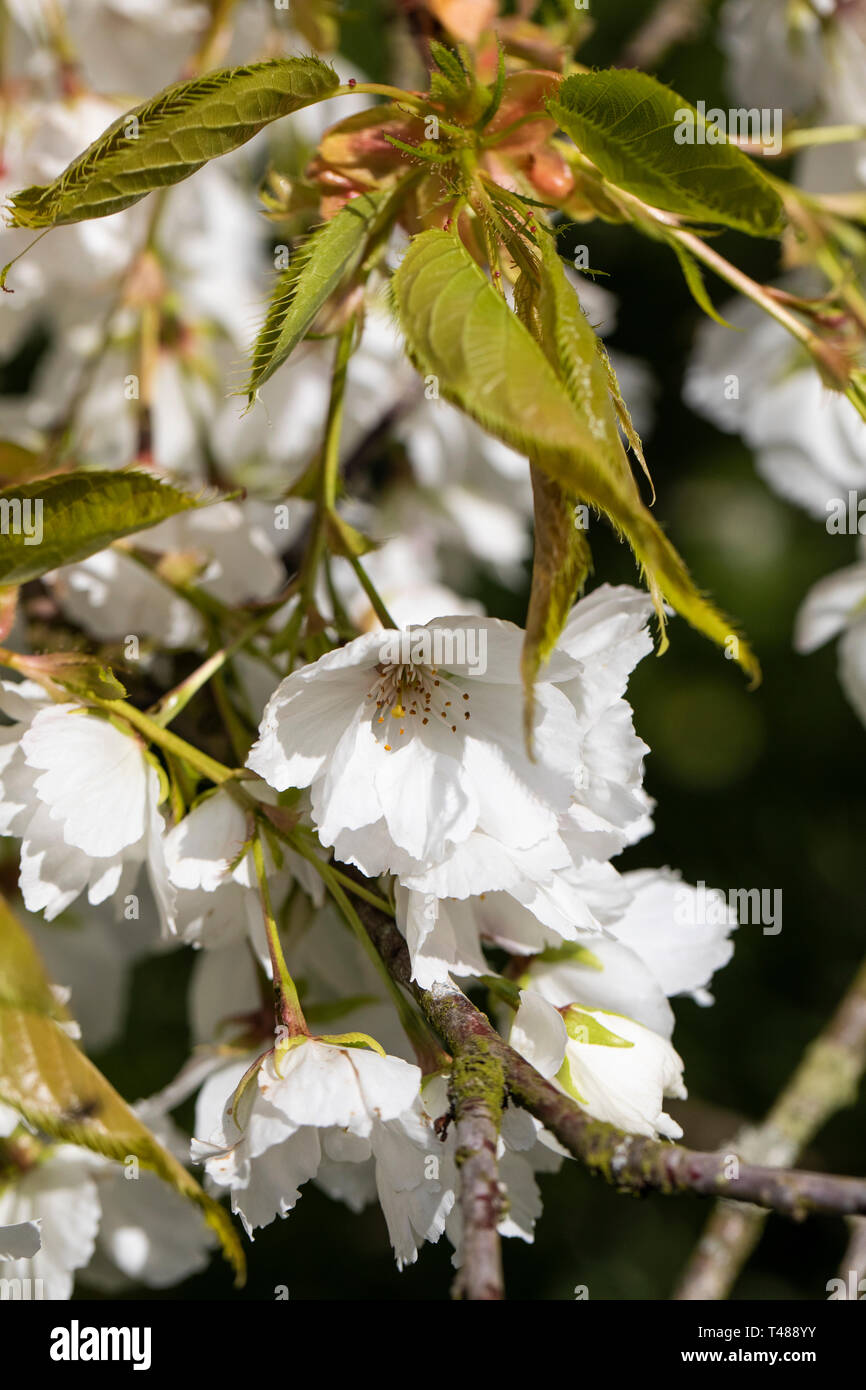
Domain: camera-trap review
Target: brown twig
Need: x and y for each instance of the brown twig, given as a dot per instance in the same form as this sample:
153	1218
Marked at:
477	1090
629	1162
825	1081
853	1267
670	23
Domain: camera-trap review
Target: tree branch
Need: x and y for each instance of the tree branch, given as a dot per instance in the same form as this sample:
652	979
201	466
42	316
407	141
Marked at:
628	1162
477	1090
825	1081
670	23
853	1266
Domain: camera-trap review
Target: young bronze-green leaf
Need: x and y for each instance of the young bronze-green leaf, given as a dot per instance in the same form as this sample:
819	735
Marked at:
169	137
56	1088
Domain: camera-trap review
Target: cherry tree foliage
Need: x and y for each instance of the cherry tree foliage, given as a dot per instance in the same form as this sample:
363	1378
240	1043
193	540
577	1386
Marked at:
320	364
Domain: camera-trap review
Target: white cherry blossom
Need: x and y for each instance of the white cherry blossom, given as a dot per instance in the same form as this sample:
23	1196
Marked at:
317	1100
616	1069
83	798
809	442
836	607
60	1194
72	1213
407	758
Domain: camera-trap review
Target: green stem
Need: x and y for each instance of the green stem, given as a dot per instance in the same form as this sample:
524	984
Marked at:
176	700
298	842
216	772
817	350
426	1048
330	471
381	89
822	135
372	593
288	1005
329	466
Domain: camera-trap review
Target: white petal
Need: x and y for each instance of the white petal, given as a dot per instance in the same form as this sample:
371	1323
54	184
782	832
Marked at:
95	783
538	1033
626	1085
200	849
681	934
829	607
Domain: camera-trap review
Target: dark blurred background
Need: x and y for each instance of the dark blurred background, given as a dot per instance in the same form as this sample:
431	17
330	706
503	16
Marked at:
760	789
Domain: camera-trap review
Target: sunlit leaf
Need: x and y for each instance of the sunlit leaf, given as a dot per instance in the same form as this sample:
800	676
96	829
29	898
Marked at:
550	402
327	258
169	137
626	123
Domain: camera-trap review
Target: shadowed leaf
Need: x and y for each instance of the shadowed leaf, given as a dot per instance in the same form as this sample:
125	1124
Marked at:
57	520
50	1082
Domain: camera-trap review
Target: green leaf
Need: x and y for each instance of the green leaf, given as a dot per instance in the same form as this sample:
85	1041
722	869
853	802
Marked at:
549	402
697	287
346	540
57	520
328	257
571	343
449	64
84	676
583	1028
56	1088
626	123
497	91
461	331
560	564
171	136
626	423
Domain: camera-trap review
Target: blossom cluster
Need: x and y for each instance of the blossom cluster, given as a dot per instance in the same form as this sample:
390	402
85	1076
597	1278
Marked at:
317	714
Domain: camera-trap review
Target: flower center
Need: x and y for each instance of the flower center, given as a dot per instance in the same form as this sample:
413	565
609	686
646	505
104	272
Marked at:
407	692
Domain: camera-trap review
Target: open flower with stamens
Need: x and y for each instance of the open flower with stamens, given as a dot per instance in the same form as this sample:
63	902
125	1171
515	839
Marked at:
412	743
